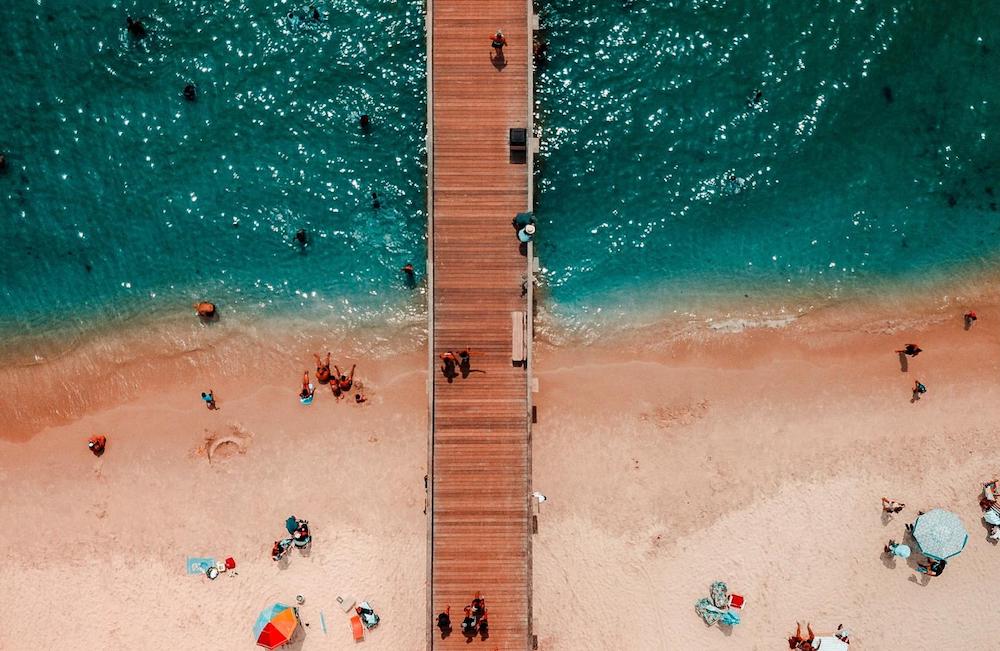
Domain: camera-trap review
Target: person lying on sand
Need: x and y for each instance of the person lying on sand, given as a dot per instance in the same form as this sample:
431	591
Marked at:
307	388
279	549
322	368
891	506
799	642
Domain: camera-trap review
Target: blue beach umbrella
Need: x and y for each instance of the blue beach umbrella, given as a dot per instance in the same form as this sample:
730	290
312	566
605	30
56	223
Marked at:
940	534
292	524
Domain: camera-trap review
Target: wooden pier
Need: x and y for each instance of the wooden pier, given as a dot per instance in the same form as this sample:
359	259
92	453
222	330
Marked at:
479	454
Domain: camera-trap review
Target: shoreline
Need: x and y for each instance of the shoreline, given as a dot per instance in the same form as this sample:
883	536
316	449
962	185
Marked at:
57	381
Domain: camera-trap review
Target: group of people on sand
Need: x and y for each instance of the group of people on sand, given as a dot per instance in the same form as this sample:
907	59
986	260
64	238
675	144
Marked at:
930	566
912	350
340	383
473	623
810	642
300	538
452	363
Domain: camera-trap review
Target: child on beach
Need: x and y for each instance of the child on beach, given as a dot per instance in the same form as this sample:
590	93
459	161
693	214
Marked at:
970	318
209	399
891	506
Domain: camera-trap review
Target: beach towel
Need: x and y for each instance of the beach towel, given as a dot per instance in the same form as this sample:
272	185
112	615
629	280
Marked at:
707	611
197	565
720	595
730	618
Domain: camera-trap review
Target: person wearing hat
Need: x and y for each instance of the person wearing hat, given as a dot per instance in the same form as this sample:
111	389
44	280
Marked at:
526	233
97	443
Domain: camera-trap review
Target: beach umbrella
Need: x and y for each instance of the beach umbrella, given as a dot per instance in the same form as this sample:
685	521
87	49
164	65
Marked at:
292	524
275	626
940	534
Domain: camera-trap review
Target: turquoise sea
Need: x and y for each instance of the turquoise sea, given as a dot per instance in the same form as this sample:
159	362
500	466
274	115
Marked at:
869	159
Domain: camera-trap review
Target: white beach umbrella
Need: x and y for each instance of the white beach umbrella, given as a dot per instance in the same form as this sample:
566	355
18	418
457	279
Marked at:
940	534
830	644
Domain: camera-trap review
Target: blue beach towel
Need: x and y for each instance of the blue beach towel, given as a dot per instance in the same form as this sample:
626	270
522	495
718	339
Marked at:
199	565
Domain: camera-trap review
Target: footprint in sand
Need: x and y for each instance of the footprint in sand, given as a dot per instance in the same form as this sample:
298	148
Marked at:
224	444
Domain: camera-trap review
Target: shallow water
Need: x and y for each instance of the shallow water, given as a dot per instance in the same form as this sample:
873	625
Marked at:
124	198
869	162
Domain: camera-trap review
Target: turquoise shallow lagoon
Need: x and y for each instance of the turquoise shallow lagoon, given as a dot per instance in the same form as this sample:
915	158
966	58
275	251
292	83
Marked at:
869	161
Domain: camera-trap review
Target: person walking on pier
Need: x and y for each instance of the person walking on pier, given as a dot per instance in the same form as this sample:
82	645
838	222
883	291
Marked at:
498	41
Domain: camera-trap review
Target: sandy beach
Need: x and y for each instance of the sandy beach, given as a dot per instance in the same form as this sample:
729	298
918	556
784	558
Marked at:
97	547
756	456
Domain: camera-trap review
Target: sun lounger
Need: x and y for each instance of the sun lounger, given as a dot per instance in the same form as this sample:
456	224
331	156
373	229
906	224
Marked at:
357	629
347	603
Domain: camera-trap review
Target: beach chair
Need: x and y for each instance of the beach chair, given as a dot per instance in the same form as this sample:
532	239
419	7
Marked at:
736	601
367	615
357	629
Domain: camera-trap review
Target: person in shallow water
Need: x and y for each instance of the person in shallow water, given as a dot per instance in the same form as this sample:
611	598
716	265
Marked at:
365	122
190	93
205	309
376	204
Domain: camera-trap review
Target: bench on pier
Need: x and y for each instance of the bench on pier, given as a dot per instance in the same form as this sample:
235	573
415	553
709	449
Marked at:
518	352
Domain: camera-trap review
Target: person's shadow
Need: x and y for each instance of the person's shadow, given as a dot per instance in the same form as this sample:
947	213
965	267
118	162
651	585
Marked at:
448	370
498	60
904	363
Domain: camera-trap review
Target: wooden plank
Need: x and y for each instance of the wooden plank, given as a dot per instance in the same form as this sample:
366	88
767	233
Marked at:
479	450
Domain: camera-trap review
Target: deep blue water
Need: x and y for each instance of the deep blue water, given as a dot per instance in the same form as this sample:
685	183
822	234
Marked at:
870	158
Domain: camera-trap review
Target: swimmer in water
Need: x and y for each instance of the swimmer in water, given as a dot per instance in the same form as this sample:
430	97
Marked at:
755	98
365	122
205	309
376	204
190	93
300	237
135	28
